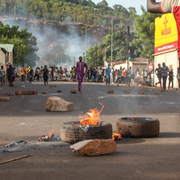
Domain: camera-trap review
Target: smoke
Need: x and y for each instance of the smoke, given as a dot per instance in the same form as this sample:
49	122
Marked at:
58	43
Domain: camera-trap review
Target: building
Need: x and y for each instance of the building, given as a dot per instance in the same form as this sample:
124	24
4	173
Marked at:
6	54
140	63
166	39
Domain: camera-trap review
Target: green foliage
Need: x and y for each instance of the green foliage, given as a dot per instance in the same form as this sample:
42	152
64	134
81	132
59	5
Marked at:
24	43
144	26
84	11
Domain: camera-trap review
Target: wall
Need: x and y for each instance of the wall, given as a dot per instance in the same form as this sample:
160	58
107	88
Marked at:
171	60
2	57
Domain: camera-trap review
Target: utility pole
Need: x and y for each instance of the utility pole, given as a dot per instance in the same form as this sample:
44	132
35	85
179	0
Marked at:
96	57
112	43
128	33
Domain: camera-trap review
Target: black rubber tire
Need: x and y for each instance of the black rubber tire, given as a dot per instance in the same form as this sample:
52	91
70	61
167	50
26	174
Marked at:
72	133
139	128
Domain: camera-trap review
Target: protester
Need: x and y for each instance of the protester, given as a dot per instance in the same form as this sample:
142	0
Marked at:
74	73
171	78
30	73
80	71
165	71
159	74
125	76
14	74
119	78
145	76
10	73
1	75
23	73
178	76
142	76
122	76
129	76
2	71
137	75
41	73
100	75
56	74
45	75
108	72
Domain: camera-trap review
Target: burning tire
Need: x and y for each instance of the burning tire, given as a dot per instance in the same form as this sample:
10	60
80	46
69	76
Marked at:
72	132
138	127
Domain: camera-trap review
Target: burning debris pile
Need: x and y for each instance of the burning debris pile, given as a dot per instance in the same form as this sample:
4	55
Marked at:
47	138
116	136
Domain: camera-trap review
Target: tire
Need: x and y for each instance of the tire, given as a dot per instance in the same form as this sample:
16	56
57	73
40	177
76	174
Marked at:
71	132
138	128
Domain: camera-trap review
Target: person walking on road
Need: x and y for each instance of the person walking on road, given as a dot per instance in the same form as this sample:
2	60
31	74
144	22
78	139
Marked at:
108	72
129	76
178	76
80	71
10	73
119	76
45	75
171	78
23	73
159	74
165	71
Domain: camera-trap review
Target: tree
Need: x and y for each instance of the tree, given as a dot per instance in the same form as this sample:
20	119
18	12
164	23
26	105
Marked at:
25	45
144	39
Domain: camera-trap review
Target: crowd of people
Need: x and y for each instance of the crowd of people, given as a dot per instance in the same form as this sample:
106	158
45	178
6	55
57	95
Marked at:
81	73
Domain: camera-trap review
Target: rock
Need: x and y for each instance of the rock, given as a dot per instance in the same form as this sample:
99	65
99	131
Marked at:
156	92
57	104
4	99
51	86
28	92
95	147
19	92
74	91
127	91
141	92
44	92
55	86
36	92
59	91
110	91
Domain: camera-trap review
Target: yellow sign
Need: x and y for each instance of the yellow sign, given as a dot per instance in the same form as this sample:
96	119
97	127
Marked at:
166	35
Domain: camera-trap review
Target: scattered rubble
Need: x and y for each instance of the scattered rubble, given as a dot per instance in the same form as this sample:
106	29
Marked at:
74	91
51	86
127	91
95	147
19	92
59	91
17	143
156	92
46	138
110	91
31	92
23	86
4	99
44	92
141	92
57	104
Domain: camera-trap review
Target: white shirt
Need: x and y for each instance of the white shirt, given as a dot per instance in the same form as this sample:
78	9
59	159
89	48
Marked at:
100	71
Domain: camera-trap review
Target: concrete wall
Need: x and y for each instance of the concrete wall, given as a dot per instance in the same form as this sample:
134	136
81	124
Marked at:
171	60
2	57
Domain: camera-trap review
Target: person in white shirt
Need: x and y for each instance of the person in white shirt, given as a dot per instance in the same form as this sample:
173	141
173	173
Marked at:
2	75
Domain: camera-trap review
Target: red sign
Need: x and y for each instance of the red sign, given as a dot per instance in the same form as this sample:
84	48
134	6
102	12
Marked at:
150	67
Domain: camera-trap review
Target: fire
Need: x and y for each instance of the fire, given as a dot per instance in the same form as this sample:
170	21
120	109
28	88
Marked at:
134	118
49	137
116	136
92	117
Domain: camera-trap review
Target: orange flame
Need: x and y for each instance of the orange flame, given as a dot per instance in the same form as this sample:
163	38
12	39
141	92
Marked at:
92	117
116	136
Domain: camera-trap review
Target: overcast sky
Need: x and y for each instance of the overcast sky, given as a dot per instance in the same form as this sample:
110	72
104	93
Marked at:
127	3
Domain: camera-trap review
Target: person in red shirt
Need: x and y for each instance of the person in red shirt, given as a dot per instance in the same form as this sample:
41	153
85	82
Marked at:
125	75
167	6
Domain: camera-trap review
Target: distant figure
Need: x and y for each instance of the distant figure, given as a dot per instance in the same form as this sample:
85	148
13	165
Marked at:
171	78
159	74
108	72
129	76
165	71
10	73
80	71
23	73
2	75
45	75
178	76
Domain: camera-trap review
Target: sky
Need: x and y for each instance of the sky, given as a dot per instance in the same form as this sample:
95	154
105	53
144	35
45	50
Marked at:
127	3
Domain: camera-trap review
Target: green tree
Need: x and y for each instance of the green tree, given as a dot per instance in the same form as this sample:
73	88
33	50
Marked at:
144	39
